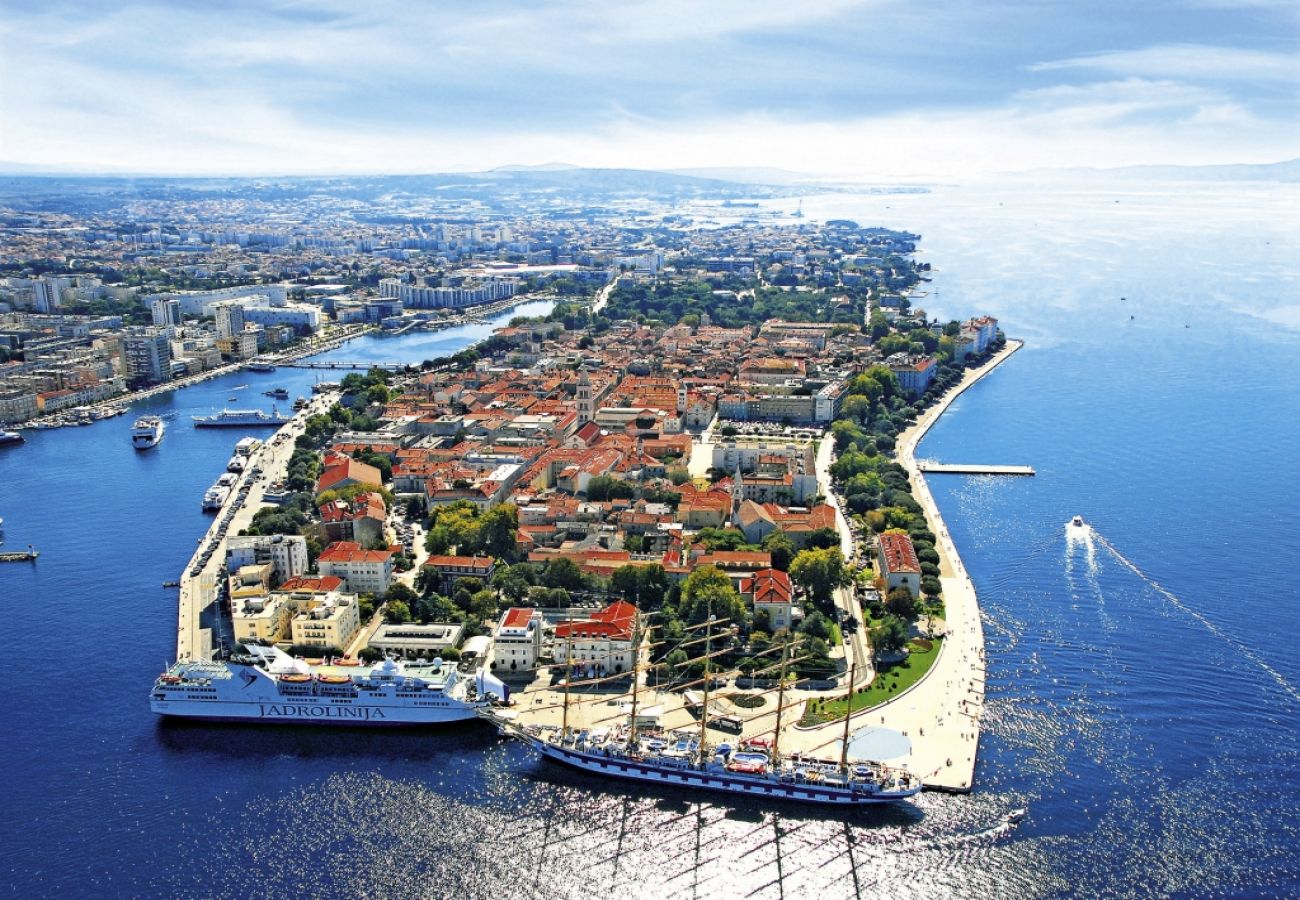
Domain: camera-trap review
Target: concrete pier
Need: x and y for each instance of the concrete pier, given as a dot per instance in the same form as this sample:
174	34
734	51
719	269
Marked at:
200	582
934	468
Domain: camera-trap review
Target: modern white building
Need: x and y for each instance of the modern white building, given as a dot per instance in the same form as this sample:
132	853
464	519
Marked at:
230	318
518	641
287	552
147	355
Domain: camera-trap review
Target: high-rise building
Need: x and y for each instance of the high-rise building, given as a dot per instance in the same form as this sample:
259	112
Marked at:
165	312
230	318
147	355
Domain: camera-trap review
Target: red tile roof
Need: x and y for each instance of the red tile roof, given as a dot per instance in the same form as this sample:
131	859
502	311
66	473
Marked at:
351	552
899	554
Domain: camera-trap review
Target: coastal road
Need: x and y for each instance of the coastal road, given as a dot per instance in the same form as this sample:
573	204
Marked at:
941	713
855	647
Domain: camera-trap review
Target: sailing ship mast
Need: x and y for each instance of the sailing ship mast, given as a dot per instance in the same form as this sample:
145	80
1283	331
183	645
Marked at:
636	677
848	714
708	657
568	675
780	705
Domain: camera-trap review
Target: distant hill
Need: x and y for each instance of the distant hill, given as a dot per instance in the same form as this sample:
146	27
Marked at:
1287	171
747	174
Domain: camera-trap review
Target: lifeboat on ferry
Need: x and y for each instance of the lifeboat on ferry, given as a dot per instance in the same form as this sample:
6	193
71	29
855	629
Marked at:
315	662
295	678
746	767
334	679
347	662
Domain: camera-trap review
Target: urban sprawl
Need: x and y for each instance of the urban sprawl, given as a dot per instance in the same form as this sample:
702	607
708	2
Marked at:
702	427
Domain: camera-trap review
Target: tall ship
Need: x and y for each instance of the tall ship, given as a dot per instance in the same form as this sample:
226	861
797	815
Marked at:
230	418
10	437
147	432
271	686
685	759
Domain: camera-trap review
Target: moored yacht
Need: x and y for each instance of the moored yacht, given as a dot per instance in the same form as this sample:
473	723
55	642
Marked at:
147	431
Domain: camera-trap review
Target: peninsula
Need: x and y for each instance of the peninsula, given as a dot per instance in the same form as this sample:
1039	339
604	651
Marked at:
688	501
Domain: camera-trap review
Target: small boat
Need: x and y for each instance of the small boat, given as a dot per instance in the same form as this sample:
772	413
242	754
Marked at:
296	678
10	437
277	393
334	679
1077	522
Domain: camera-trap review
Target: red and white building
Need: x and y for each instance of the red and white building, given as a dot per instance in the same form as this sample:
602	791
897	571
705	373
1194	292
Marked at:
898	563
518	640
363	571
603	642
771	590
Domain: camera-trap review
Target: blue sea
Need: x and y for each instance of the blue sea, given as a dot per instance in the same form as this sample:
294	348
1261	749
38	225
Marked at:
1143	687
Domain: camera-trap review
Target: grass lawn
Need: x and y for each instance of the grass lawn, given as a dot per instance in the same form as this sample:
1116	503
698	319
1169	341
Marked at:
837	636
889	682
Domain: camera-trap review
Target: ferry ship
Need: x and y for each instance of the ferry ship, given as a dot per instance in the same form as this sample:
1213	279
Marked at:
261	365
146	432
271	686
685	760
239	417
214	497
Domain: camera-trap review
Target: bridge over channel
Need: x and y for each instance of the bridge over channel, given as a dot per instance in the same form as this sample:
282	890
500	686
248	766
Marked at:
342	364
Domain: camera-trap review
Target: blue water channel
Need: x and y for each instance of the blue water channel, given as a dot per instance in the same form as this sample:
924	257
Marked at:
1142	693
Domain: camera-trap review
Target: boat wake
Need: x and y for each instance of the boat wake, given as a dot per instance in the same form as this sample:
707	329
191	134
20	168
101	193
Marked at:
1214	629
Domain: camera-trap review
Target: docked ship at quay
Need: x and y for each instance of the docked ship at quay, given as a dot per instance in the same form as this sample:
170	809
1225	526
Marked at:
233	418
686	760
271	686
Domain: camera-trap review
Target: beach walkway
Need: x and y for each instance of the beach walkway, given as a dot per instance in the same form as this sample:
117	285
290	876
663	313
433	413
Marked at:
941	712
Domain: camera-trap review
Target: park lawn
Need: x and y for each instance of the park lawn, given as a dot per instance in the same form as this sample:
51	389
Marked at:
889	682
837	636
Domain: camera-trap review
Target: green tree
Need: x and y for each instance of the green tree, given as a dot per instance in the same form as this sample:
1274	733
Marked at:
889	635
397	612
563	572
709	589
512	582
819	572
782	549
901	603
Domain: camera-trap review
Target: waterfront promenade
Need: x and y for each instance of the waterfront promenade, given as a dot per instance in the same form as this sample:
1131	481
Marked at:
941	713
200	582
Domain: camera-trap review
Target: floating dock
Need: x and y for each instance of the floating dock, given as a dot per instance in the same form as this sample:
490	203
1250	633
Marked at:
934	468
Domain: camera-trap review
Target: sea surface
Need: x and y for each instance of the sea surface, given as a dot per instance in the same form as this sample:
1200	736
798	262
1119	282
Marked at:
1143	690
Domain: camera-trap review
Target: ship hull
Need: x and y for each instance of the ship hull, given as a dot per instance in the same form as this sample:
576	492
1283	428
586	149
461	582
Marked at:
308	711
714	781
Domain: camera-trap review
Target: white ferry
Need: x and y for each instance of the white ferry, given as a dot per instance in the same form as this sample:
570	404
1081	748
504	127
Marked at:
239	417
215	496
272	686
146	432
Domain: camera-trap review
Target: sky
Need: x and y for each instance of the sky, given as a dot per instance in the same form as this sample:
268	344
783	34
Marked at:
873	89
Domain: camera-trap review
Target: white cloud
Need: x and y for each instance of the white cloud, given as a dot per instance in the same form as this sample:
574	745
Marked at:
1190	61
